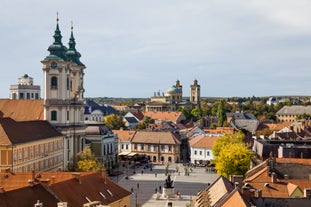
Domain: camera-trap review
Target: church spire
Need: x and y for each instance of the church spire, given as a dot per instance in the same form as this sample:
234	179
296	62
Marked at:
72	54
57	49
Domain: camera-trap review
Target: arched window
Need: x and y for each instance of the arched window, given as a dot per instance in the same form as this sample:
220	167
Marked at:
54	82
53	115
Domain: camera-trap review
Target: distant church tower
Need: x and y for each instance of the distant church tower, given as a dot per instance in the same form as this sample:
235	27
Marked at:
63	93
195	92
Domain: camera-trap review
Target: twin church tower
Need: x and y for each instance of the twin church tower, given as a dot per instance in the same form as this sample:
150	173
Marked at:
63	91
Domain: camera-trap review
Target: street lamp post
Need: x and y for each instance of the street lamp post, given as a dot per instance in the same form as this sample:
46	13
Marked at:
136	194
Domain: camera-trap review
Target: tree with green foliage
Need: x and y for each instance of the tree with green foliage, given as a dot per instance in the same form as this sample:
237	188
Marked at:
221	113
87	162
196	113
232	157
145	122
114	121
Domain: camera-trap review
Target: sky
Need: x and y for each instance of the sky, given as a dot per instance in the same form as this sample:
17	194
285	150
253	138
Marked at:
133	48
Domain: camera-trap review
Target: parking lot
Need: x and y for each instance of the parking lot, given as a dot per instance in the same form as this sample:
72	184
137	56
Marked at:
147	184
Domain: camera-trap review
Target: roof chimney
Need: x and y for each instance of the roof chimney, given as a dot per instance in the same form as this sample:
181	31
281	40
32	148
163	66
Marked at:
258	193
62	204
273	177
77	176
237	180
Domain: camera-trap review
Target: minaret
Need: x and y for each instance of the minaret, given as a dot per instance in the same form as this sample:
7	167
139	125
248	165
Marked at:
195	92
63	93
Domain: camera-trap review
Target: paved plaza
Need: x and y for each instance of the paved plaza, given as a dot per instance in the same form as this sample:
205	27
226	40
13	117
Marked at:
147	185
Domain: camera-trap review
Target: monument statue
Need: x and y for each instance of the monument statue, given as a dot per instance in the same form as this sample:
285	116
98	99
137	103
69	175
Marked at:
168	182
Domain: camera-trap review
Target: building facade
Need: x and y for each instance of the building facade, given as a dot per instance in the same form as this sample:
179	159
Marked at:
30	145
162	147
63	92
25	89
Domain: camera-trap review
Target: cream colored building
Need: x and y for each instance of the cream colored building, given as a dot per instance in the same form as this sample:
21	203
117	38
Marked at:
290	113
63	93
161	147
25	89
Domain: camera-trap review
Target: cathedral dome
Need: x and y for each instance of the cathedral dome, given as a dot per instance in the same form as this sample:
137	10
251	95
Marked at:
173	90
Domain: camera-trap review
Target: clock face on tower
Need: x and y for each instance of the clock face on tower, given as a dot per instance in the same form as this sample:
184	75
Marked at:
53	65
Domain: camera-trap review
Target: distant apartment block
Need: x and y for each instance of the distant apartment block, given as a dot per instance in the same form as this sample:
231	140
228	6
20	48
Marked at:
25	89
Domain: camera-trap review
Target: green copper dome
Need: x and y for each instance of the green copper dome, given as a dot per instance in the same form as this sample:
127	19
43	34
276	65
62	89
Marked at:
57	49
72	54
173	90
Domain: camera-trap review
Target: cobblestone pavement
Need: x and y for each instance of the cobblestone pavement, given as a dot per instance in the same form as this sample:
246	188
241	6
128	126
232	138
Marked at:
148	184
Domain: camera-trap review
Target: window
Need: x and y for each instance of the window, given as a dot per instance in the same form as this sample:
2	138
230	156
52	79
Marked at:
68	83
21	95
127	146
169	148
54	115
67	115
200	152
28	95
207	153
25	153
54	82
122	146
195	152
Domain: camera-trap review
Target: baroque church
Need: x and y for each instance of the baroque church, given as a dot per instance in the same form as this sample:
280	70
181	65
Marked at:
173	98
62	107
63	92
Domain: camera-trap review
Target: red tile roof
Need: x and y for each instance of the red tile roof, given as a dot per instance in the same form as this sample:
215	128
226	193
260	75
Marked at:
66	186
12	132
124	135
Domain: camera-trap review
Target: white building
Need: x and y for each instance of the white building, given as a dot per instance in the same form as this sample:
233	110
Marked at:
201	148
25	89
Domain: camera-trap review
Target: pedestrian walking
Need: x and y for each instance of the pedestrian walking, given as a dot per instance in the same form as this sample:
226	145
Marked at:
155	174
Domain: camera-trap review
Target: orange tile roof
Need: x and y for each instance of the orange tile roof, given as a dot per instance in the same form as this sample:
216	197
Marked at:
235	199
219	130
203	141
279	126
282	188
291	188
155	138
67	188
22	110
124	135
165	116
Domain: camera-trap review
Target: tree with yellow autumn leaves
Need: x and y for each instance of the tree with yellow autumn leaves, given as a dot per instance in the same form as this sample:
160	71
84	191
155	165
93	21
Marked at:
232	155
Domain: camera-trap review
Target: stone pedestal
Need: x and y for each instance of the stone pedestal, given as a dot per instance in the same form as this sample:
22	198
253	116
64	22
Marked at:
168	193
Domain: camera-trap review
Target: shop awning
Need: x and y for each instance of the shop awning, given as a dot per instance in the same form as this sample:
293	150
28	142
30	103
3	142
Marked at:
123	153
132	154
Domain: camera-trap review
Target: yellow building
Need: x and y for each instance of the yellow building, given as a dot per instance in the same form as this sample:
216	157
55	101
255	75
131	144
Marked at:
30	145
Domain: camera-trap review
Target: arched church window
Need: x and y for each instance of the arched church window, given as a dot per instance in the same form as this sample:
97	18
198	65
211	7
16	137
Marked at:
54	82
54	115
